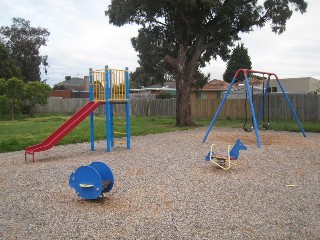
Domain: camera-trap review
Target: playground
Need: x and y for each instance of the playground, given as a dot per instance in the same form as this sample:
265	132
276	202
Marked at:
164	189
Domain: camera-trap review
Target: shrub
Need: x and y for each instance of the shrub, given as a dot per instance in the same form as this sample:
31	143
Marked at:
163	95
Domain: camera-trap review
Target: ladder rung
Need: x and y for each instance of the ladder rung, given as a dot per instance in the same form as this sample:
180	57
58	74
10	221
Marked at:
120	133
119	142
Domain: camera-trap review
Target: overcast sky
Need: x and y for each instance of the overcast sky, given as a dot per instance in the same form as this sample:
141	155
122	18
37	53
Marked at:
81	37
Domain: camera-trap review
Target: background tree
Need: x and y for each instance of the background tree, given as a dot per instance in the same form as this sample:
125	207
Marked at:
8	69
59	87
188	33
23	43
152	65
163	94
139	78
4	109
36	93
200	80
238	59
14	93
143	78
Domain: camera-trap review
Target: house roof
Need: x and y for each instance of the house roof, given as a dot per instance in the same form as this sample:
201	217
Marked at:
73	81
171	84
252	82
216	85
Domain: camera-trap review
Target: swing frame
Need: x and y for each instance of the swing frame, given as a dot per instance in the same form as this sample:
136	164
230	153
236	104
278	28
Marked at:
256	121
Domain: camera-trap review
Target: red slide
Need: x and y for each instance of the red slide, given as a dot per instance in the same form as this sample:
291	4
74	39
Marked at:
63	130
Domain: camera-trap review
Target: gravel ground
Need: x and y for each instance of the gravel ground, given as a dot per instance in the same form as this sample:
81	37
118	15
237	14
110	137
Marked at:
165	190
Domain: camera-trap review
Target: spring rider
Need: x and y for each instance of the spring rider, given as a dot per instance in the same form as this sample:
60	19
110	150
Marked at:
224	162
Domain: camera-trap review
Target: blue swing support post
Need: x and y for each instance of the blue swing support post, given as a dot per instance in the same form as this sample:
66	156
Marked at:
256	121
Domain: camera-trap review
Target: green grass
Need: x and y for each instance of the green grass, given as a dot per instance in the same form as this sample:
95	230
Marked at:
23	132
276	125
292	126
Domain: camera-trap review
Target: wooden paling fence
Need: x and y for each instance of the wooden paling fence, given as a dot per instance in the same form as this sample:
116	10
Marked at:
153	107
306	106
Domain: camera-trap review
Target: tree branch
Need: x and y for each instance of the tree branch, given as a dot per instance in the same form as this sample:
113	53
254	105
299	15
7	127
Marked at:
180	14
171	60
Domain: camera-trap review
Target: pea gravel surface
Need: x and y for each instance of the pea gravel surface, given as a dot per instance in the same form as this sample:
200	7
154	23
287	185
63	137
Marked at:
164	189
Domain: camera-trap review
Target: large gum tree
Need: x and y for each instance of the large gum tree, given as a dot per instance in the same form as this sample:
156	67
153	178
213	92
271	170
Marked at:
188	33
23	43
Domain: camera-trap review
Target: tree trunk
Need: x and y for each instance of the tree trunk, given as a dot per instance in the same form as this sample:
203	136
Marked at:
183	106
183	87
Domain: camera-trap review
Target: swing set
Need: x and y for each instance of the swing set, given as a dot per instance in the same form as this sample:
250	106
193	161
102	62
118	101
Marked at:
265	125
255	121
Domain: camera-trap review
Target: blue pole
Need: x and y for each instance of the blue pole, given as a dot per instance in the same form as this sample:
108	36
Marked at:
91	114
128	108
263	101
108	130
289	103
219	109
252	111
111	126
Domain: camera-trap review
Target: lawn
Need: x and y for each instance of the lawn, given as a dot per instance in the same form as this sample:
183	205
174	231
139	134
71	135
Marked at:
23	132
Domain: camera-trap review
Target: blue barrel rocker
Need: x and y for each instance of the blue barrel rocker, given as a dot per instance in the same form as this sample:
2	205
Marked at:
90	182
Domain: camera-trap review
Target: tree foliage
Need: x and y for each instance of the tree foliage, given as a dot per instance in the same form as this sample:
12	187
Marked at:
4	109
163	94
15	94
8	69
185	34
143	78
59	87
139	78
200	80
24	42
36	93
12	94
238	59
152	68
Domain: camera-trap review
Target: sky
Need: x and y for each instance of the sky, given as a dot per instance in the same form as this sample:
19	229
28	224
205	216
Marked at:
82	38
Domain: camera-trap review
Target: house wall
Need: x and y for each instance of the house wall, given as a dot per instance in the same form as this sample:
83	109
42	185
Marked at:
314	84
241	93
296	85
206	95
61	93
81	94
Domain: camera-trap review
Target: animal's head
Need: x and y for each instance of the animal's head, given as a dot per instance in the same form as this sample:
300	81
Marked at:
240	145
234	153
